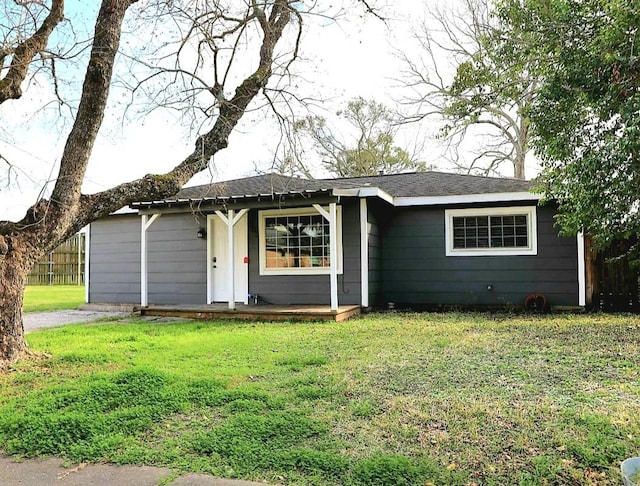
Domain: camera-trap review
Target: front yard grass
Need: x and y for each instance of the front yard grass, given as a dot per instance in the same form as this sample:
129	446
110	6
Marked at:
40	298
386	399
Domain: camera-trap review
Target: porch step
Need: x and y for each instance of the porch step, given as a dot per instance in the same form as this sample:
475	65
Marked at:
253	313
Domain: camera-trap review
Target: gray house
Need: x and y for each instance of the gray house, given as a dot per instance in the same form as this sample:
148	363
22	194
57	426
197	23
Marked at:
420	238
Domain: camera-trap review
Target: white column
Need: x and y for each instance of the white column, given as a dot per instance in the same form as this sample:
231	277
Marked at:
209	258
144	291
333	242
144	294
582	282
87	246
364	253
231	266
79	236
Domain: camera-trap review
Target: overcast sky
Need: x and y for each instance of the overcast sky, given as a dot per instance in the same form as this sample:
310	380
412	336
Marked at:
347	59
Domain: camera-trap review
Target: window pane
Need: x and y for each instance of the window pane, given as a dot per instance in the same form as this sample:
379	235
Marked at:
296	241
499	231
483	242
504	230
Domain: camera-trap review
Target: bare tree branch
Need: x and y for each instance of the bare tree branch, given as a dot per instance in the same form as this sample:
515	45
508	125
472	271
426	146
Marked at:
25	51
461	82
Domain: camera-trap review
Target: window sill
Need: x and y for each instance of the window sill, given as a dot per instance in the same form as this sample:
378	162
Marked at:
492	252
297	271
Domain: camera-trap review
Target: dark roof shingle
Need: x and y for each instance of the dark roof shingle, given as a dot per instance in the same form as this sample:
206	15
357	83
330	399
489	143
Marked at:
414	184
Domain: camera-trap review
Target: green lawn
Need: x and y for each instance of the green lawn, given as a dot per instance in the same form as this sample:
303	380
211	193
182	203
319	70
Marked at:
387	399
38	298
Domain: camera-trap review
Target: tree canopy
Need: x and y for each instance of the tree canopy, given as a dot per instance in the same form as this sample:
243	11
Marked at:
586	113
370	150
459	79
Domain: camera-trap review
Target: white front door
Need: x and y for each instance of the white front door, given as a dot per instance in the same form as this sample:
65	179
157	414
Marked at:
218	236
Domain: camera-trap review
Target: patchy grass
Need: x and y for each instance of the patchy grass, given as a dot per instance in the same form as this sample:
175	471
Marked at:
39	298
387	399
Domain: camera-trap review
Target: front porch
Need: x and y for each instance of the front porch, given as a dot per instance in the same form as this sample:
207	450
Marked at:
254	312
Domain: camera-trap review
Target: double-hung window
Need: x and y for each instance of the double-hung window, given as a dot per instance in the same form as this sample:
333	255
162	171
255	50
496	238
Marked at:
491	231
296	241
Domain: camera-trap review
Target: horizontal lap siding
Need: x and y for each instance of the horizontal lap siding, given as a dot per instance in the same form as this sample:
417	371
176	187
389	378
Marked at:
417	271
310	289
114	260
374	213
176	260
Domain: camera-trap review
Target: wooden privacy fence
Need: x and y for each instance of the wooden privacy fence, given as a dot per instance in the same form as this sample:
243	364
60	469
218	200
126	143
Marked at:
63	266
613	277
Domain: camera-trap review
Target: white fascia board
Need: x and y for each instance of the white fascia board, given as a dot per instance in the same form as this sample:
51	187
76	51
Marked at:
365	192
466	199
125	210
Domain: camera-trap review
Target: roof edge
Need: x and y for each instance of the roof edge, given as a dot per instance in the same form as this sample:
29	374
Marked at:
467	198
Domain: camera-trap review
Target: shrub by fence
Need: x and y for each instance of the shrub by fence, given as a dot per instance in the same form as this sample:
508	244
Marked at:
63	266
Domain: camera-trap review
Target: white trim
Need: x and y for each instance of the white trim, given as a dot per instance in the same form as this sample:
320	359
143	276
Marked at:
231	254
333	256
466	199
310	211
367	191
144	286
87	247
364	254
124	210
209	258
582	280
529	211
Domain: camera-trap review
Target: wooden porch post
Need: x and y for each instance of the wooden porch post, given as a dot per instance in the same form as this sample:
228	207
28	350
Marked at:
333	252
144	291
87	246
331	216
232	260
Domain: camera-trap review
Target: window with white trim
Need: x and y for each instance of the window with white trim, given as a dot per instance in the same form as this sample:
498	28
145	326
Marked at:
491	231
296	241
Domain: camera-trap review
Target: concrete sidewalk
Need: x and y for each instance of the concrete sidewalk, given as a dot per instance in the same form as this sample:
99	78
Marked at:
49	472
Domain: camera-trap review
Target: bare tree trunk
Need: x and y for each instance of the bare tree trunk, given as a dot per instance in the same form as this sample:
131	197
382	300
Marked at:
13	279
49	222
518	167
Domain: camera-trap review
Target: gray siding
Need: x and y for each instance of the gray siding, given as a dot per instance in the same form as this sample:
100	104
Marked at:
416	270
176	260
114	260
407	263
374	216
176	268
310	289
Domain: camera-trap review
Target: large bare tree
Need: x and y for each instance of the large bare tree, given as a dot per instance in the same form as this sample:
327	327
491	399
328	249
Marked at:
227	53
462	81
370	150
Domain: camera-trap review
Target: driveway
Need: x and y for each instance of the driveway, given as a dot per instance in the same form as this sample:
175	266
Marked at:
37	320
